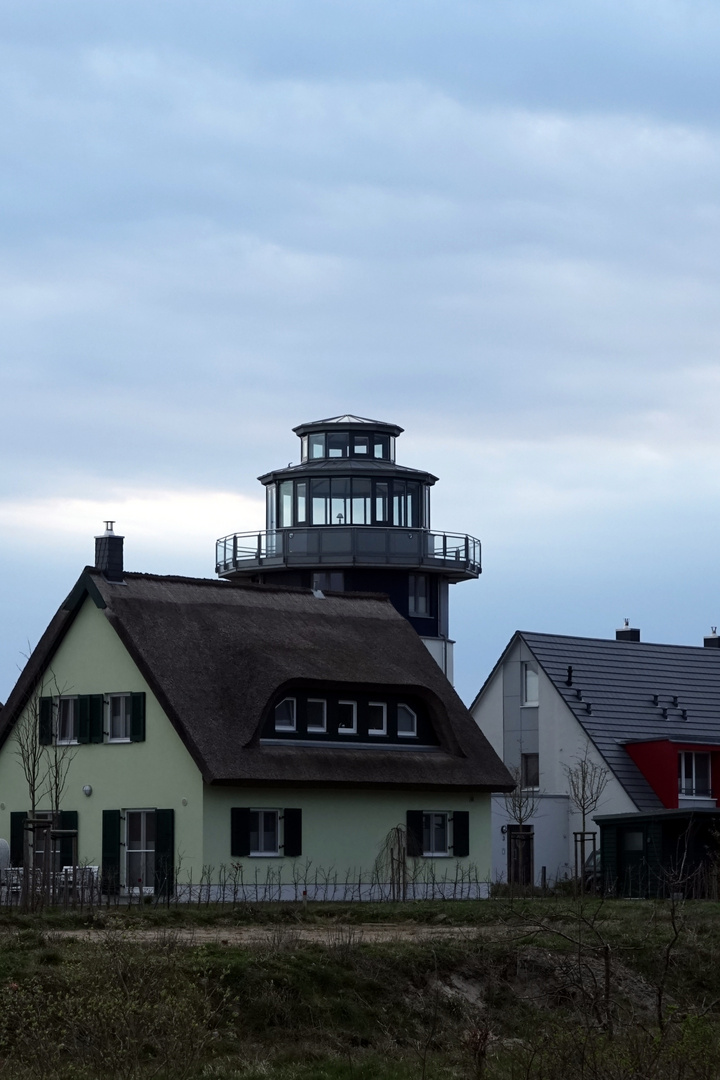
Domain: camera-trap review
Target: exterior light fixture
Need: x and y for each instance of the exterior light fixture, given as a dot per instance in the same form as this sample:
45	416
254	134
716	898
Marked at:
87	789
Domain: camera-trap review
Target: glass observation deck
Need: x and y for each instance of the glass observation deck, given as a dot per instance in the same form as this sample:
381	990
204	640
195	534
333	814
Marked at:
454	555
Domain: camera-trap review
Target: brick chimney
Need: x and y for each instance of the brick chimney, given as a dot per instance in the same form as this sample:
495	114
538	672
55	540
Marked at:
109	553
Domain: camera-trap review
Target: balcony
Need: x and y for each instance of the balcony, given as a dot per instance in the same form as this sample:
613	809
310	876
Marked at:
454	555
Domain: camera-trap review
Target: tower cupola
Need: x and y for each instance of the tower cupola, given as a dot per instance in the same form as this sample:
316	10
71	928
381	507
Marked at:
348	517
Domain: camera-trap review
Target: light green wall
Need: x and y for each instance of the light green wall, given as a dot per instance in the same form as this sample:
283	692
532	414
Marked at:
157	773
342	829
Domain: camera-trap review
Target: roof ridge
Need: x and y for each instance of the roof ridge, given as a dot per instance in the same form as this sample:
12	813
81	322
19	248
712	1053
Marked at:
242	584
613	641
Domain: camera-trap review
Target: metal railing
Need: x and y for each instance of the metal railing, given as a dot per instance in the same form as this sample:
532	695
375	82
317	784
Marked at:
346	545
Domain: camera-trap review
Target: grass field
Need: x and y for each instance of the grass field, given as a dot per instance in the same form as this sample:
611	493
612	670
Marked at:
525	990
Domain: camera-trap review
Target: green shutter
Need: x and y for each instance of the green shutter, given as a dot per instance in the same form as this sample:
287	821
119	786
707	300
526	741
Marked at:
68	820
83	718
461	834
292	833
17	837
45	721
414	832
164	852
111	826
97	716
137	718
240	831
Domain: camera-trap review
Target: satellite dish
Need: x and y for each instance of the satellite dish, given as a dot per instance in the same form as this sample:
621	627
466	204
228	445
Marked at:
4	854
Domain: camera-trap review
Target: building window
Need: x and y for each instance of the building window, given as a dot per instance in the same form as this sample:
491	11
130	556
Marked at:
694	774
418	595
377	718
264	832
406	721
435	839
347	717
285	717
317	446
285	504
119	717
140	850
529	770
529	685
332	580
316	714
66	720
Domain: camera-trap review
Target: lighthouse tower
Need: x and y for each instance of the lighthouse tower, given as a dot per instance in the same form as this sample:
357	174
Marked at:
348	518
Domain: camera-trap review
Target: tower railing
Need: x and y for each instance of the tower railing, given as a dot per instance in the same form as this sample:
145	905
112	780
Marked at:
350	545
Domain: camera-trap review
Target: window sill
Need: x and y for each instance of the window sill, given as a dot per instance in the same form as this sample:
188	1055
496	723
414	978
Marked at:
264	855
436	855
115	741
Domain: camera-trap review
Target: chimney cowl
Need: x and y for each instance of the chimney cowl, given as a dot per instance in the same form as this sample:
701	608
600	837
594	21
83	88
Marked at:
627	632
109	553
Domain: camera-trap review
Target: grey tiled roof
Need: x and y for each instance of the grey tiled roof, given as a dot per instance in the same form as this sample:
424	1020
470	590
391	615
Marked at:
619	679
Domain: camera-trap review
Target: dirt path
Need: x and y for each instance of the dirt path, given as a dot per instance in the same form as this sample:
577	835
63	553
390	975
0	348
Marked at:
279	936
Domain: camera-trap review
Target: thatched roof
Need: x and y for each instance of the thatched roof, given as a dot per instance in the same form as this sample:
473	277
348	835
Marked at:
215	654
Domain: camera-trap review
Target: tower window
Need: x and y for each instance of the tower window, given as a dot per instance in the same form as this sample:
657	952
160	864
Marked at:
334	580
316	446
418	599
338	444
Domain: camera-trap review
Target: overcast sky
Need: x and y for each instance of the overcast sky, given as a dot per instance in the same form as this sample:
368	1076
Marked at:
496	223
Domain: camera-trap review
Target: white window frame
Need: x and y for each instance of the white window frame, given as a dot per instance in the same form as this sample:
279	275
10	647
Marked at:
132	887
347	730
527	696
430	852
108	717
317	727
378	730
406	734
261	811
58	703
694	754
290	726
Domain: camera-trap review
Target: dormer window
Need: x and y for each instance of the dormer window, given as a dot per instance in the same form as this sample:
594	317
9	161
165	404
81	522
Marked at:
316	714
377	718
286	715
694	774
406	722
347	717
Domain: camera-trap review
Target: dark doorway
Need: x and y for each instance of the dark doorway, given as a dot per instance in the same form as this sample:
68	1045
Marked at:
520	855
